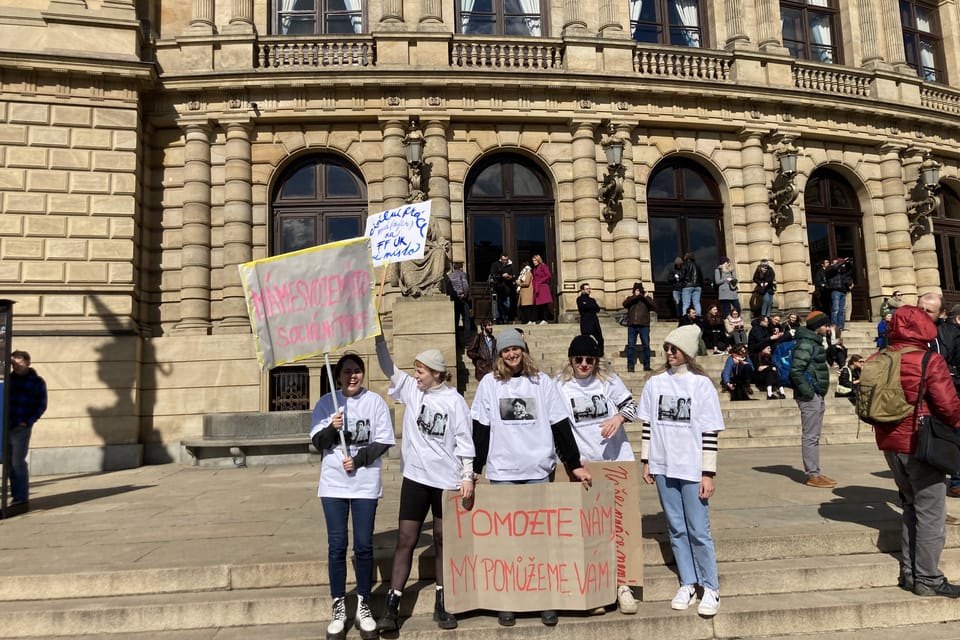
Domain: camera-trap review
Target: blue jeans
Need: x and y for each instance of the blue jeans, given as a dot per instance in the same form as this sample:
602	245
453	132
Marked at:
691	298
688	521
838	309
336	511
633	332
19	472
726	305
767	303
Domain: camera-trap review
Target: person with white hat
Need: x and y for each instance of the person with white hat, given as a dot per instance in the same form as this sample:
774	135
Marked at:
680	411
524	450
598	404
438	452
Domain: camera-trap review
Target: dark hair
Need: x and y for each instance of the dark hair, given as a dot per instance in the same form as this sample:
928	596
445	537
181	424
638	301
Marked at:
347	357
585	284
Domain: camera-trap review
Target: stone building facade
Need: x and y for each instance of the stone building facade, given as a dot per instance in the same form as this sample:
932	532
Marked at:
150	147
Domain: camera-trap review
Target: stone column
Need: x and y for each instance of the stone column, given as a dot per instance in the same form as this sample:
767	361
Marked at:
241	12
435	155
586	205
925	247
737	35
195	232
627	251
769	32
202	17
893	34
573	17
430	15
610	25
899	250
794	282
396	184
756	208
392	16
868	33
237	226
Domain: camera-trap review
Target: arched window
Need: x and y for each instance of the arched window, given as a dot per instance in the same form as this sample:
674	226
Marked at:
317	200
501	17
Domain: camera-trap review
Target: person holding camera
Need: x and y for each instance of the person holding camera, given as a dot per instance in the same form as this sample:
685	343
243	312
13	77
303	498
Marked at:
725	275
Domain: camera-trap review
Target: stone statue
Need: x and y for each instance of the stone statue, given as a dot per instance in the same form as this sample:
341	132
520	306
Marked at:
427	275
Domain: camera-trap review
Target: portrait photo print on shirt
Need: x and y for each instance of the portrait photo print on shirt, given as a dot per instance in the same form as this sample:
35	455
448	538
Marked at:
430	422
360	434
673	408
587	408
518	408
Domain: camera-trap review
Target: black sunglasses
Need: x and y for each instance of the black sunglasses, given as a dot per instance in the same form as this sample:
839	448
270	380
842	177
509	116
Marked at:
582	359
669	348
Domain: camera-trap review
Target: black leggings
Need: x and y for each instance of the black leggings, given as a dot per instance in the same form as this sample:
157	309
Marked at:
415	500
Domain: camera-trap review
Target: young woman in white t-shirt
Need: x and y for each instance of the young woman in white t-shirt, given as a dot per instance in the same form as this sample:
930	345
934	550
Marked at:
351	483
437	450
680	412
517	447
598	404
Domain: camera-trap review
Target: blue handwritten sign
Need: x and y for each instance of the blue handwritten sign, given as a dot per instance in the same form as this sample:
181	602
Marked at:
400	234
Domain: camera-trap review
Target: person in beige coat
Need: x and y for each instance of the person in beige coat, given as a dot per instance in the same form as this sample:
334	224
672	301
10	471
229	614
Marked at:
525	293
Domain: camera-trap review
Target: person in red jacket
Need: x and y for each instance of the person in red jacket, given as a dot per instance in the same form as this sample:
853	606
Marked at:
922	488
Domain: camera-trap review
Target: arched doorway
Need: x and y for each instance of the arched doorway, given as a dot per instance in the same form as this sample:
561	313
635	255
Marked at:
946	230
509	209
835	229
686	214
318	199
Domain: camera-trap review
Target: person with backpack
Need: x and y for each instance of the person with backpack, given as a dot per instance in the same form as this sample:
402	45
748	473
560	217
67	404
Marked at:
921	487
765	284
810	379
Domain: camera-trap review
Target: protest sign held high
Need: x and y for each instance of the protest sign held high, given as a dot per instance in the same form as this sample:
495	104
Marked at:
307	302
398	234
529	548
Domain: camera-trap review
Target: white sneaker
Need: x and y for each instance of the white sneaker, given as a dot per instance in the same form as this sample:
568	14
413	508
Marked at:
338	625
710	603
543	322
625	600
364	620
686	595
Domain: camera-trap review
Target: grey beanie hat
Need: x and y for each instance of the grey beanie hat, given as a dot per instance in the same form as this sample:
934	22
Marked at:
685	338
432	359
510	338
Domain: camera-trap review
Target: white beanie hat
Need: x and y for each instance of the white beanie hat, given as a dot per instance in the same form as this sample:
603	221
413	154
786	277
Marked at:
685	338
432	359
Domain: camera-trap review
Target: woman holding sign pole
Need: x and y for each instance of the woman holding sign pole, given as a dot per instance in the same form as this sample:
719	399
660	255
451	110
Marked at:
680	411
520	447
599	404
437	456
350	481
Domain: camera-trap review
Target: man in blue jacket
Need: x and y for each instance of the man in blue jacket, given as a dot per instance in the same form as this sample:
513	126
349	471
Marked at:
26	402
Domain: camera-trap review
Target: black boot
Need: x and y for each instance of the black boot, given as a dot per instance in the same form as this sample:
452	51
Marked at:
443	619
389	621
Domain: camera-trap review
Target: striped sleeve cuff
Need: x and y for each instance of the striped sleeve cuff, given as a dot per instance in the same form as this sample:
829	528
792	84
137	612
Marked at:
628	410
710	452
645	443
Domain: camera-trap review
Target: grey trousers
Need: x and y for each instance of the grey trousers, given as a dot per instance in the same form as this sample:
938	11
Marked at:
811	423
923	495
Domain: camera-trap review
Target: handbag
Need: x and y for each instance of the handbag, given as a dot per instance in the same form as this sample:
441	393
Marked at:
937	442
732	284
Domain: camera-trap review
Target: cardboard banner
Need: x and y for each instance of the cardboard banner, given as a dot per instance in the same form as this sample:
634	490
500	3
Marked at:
529	548
398	234
623	480
307	302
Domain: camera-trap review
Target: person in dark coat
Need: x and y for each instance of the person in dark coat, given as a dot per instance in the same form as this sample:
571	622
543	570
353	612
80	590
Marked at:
589	322
921	488
481	351
26	402
638	304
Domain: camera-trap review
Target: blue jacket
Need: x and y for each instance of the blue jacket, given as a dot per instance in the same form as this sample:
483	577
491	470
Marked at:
27	399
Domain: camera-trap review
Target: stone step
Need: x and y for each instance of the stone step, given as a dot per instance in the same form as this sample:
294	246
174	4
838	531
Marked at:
748	616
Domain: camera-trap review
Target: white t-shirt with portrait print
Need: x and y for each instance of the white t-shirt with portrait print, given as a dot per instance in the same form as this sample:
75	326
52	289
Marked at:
366	418
680	409
519	411
436	432
589	402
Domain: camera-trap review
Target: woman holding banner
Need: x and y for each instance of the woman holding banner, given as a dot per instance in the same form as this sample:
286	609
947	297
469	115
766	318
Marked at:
521	450
598	404
680	411
437	456
350	481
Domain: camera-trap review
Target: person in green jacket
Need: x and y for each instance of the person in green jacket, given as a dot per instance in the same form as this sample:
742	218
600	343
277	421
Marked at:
810	378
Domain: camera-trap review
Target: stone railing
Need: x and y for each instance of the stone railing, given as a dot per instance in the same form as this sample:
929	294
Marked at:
940	98
505	55
286	52
687	64
824	78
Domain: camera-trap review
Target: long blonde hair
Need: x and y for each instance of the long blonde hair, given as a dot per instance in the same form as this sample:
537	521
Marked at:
601	372
690	361
502	372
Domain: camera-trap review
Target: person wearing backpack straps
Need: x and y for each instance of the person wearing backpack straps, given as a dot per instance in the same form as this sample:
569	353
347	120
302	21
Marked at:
921	487
810	378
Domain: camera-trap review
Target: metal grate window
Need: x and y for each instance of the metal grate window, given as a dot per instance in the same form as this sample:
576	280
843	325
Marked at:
290	389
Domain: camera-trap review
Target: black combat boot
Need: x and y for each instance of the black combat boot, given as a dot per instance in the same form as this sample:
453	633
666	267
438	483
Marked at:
443	619
391	614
